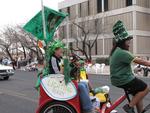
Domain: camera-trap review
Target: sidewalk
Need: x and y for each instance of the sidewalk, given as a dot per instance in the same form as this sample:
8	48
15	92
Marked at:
105	71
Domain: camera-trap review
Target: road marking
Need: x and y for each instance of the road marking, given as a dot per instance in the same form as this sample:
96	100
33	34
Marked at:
16	94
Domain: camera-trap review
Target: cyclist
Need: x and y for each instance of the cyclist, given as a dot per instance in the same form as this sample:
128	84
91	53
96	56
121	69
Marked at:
120	68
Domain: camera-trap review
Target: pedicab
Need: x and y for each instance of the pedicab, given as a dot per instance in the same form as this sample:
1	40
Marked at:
57	97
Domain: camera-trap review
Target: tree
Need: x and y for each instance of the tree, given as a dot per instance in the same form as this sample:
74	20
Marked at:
87	45
15	38
29	42
6	43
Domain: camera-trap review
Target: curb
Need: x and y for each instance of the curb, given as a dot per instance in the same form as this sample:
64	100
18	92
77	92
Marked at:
100	74
107	74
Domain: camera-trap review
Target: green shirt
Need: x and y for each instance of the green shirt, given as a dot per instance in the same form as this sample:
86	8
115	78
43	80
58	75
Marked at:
120	67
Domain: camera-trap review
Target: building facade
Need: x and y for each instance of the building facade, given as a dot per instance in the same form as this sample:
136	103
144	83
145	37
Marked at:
98	17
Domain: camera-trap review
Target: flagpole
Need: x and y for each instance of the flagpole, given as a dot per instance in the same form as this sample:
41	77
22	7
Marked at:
44	32
43	20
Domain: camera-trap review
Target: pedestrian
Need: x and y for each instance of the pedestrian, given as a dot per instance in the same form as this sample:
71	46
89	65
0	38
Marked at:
120	69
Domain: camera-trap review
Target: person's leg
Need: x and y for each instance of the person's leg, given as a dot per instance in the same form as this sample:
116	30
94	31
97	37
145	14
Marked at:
137	99
139	106
139	89
85	100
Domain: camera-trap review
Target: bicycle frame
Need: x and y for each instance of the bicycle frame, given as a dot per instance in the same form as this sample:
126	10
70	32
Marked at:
105	109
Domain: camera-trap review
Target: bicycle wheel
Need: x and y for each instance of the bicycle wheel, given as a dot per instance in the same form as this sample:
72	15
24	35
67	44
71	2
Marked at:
57	107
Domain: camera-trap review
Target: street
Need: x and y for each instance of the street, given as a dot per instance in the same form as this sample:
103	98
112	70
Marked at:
17	95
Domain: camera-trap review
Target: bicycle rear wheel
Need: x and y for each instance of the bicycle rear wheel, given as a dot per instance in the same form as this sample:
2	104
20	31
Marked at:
57	107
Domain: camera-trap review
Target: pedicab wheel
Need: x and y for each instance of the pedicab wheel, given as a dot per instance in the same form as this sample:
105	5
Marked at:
57	107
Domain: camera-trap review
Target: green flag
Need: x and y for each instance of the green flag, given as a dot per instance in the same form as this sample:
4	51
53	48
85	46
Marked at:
52	20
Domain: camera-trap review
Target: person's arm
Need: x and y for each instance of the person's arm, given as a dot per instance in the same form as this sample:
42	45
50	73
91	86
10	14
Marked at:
141	62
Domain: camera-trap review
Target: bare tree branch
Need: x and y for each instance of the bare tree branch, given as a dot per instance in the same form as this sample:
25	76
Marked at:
11	36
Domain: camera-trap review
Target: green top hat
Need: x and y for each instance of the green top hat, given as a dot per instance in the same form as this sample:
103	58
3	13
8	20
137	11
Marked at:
120	32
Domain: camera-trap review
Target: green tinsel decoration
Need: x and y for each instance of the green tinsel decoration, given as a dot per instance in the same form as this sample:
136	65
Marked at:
67	69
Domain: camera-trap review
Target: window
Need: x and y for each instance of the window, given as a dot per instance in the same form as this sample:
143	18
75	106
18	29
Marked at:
105	5
71	45
84	47
62	32
71	30
128	2
96	53
99	6
79	10
88	8
68	10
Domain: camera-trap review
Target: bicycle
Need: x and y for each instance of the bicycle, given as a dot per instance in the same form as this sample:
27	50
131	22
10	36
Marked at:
118	102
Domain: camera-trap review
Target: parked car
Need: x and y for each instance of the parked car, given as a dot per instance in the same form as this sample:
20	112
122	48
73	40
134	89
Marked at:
6	72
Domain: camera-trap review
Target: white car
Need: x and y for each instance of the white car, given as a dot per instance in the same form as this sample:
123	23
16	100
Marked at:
6	72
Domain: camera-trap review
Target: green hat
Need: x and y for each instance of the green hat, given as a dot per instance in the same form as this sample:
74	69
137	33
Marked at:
54	45
120	31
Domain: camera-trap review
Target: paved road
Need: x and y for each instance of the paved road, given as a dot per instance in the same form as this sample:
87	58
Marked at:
17	95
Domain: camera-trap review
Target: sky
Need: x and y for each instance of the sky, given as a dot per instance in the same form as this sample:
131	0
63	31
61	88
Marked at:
14	12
